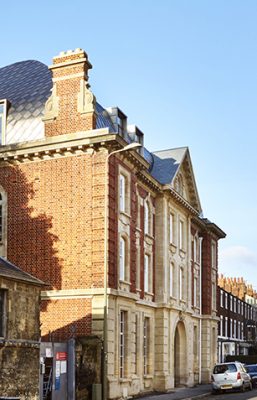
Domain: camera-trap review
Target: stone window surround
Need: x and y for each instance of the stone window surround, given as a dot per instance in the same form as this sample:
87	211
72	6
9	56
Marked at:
172	228
146	345
195	292
122	260
182	233
149	213
123	172
181	284
171	279
214	254
123	345
148	276
124	283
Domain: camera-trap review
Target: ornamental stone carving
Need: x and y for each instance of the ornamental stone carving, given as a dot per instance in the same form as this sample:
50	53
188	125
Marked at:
52	106
86	99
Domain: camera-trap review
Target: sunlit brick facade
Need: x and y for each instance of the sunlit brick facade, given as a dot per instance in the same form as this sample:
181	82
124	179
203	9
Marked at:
161	326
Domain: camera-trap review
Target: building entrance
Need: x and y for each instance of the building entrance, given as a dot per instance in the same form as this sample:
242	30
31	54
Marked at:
180	355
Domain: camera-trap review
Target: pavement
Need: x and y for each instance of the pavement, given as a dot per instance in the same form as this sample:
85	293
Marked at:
185	393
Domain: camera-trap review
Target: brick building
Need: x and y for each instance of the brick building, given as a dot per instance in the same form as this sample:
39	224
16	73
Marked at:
237	326
239	288
19	332
156	274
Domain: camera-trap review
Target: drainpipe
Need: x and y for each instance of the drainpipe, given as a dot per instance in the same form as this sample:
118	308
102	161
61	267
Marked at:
200	327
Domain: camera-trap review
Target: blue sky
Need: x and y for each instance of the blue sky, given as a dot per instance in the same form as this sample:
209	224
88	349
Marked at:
185	71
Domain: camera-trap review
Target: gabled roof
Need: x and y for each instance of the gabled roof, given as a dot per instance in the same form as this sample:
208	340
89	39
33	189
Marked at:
27	85
9	270
166	164
165	167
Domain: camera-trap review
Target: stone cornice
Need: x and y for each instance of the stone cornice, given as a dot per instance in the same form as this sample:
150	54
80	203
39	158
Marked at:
207	225
180	200
68	145
145	177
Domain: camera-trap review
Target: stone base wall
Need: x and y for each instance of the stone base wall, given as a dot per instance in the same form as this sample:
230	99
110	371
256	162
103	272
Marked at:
172	362
19	372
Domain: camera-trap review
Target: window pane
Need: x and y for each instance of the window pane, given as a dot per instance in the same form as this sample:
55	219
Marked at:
147	215
122	192
122	259
146	274
171	279
122	343
181	234
171	228
146	346
180	283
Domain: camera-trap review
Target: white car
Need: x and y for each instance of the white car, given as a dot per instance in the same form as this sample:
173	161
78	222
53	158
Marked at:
231	375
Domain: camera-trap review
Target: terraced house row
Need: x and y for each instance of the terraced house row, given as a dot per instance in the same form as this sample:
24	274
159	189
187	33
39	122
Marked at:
115	231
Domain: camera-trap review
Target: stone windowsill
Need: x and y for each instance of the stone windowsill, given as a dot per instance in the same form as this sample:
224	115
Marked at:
148	376
148	296
125	380
124	285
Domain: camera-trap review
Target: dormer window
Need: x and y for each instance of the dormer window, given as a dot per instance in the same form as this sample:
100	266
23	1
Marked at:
3	111
120	125
119	120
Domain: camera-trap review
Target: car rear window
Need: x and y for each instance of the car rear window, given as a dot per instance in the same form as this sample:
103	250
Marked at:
222	368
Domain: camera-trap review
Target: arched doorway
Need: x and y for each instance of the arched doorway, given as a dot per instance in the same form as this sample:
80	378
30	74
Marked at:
180	355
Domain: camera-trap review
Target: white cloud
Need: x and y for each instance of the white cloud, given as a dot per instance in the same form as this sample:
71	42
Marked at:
239	261
239	254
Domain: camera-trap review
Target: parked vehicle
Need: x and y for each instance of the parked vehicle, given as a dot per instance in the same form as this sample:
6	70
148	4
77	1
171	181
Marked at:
252	371
231	375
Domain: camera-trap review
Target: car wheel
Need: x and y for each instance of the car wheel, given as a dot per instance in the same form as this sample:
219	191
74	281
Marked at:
242	387
215	391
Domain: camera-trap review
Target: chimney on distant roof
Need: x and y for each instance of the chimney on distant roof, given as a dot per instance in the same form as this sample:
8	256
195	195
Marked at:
71	106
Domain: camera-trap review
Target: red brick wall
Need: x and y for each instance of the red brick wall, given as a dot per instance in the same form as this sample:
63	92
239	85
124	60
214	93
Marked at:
69	120
56	220
62	319
207	273
113	227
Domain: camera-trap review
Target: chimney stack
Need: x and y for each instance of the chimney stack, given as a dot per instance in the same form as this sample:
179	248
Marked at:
71	106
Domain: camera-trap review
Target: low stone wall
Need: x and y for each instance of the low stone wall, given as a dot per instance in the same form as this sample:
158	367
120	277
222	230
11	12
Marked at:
19	371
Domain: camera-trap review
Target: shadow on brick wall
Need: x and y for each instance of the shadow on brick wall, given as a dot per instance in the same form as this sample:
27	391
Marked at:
31	243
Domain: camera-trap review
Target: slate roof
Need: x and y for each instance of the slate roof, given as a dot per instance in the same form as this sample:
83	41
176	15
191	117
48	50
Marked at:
27	85
166	163
9	270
